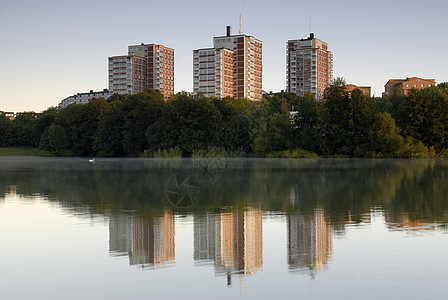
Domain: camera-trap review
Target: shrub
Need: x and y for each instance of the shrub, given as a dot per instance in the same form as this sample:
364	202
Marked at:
165	153
294	153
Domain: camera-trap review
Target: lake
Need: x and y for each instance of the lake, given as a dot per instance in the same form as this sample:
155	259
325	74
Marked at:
223	228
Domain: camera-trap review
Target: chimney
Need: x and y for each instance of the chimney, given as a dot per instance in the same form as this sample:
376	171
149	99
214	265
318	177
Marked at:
311	35
228	30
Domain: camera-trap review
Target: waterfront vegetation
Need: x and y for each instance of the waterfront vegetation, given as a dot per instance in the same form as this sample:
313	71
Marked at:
342	125
24	151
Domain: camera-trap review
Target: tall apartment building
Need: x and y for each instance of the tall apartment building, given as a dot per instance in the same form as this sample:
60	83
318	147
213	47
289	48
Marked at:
147	66
213	72
245	67
309	66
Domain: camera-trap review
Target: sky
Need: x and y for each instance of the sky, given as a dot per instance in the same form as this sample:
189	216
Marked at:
52	49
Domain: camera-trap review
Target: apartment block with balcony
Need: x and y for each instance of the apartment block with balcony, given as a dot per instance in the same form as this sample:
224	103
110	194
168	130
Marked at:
147	66
213	72
159	67
405	85
237	62
126	74
247	64
309	67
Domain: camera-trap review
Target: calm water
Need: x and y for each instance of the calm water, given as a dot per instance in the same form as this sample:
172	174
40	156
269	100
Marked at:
223	229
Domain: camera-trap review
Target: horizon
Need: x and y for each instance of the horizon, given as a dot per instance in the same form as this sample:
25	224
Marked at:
50	54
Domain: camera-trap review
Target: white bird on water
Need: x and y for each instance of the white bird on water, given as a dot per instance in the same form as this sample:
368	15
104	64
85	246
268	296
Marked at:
92	161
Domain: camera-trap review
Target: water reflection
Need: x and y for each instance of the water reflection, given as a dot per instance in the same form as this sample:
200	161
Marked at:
402	222
232	241
227	198
148	241
310	242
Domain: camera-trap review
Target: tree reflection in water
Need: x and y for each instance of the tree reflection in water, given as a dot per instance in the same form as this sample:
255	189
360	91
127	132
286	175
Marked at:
227	198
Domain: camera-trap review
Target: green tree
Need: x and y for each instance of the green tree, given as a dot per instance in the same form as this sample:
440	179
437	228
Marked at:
54	140
346	118
5	130
22	129
108	138
423	115
307	130
188	123
384	135
272	126
80	124
43	120
140	111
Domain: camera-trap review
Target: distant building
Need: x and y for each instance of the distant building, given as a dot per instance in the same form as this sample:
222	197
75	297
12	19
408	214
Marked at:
147	66
242	72
365	89
405	85
309	67
84	98
9	115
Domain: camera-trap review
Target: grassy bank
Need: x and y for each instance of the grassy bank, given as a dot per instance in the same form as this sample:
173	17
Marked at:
9	151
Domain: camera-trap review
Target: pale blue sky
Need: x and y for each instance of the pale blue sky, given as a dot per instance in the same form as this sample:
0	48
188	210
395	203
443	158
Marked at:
53	49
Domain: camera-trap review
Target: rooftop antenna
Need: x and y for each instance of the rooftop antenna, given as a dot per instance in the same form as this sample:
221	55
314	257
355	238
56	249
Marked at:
310	24
240	32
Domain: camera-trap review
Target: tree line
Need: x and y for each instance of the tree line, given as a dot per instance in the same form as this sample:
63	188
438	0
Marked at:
346	124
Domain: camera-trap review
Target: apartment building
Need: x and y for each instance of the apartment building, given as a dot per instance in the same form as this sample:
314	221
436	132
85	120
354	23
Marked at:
213	72
147	66
244	68
405	85
365	89
309	66
126	74
84	98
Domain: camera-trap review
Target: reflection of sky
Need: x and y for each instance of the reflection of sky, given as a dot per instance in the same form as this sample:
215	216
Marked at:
48	253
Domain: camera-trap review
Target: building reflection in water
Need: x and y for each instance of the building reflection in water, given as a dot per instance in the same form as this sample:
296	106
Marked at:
310	242
148	241
232	241
402	222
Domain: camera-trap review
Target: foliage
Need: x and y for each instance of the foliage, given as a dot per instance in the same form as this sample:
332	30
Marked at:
293	153
140	111
218	152
272	126
344	124
414	149
347	118
54	140
22	129
308	132
165	153
5	130
384	136
187	122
